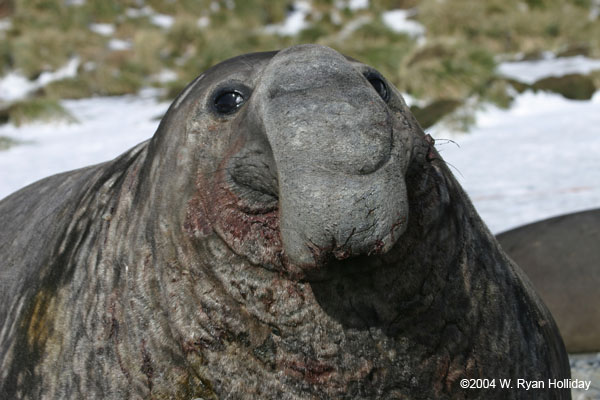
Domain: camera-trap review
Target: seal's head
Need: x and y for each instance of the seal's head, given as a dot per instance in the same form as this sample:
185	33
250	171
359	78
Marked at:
300	157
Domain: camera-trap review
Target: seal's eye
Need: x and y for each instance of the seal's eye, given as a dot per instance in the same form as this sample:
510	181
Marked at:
228	102
379	86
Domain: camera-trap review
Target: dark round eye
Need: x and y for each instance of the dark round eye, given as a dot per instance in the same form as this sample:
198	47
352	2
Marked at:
228	102
379	86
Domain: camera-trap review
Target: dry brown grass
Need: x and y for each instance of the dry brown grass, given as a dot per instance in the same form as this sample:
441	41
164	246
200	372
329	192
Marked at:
457	62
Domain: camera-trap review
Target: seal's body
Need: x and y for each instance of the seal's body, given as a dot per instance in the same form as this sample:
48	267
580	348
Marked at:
289	232
561	256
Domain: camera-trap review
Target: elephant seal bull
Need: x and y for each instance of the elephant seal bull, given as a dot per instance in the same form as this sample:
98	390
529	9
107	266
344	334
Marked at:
288	233
561	256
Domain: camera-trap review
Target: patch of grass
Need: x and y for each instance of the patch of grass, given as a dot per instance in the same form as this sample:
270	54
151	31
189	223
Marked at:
433	112
497	91
261	12
7	142
384	5
36	52
173	88
181	38
314	34
189	7
72	88
39	109
457	61
457	70
223	41
105	10
595	76
107	80
512	25
4	117
5	54
575	49
462	118
149	55
572	86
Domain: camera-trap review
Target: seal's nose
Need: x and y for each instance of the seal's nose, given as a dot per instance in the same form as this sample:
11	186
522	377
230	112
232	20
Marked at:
339	177
332	113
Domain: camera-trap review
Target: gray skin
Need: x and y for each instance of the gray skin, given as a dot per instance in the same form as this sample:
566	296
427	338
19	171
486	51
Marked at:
561	256
311	244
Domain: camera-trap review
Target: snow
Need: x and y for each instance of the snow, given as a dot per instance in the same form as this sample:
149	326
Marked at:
534	161
294	22
594	10
68	71
119	45
5	24
203	22
358	4
103	29
532	71
162	20
398	21
14	86
108	127
165	76
353	25
353	5
336	17
139	12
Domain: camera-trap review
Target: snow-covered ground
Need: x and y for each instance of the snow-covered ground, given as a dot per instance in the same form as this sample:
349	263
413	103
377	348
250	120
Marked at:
107	127
531	71
538	159
294	22
15	86
398	21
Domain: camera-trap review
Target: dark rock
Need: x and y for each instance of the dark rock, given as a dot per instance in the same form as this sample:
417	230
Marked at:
572	86
579	49
434	111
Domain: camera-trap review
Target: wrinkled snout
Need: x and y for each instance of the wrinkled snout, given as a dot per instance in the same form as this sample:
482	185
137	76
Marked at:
340	176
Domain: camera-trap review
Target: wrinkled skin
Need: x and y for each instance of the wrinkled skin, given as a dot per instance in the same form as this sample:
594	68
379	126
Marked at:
310	244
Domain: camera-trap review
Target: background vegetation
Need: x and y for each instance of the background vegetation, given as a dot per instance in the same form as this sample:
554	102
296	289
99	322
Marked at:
454	65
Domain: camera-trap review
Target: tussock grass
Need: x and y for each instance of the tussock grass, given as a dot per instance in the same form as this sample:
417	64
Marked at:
510	26
38	109
7	142
463	41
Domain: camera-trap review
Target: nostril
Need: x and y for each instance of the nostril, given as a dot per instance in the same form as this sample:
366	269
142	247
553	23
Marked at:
369	169
377	157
